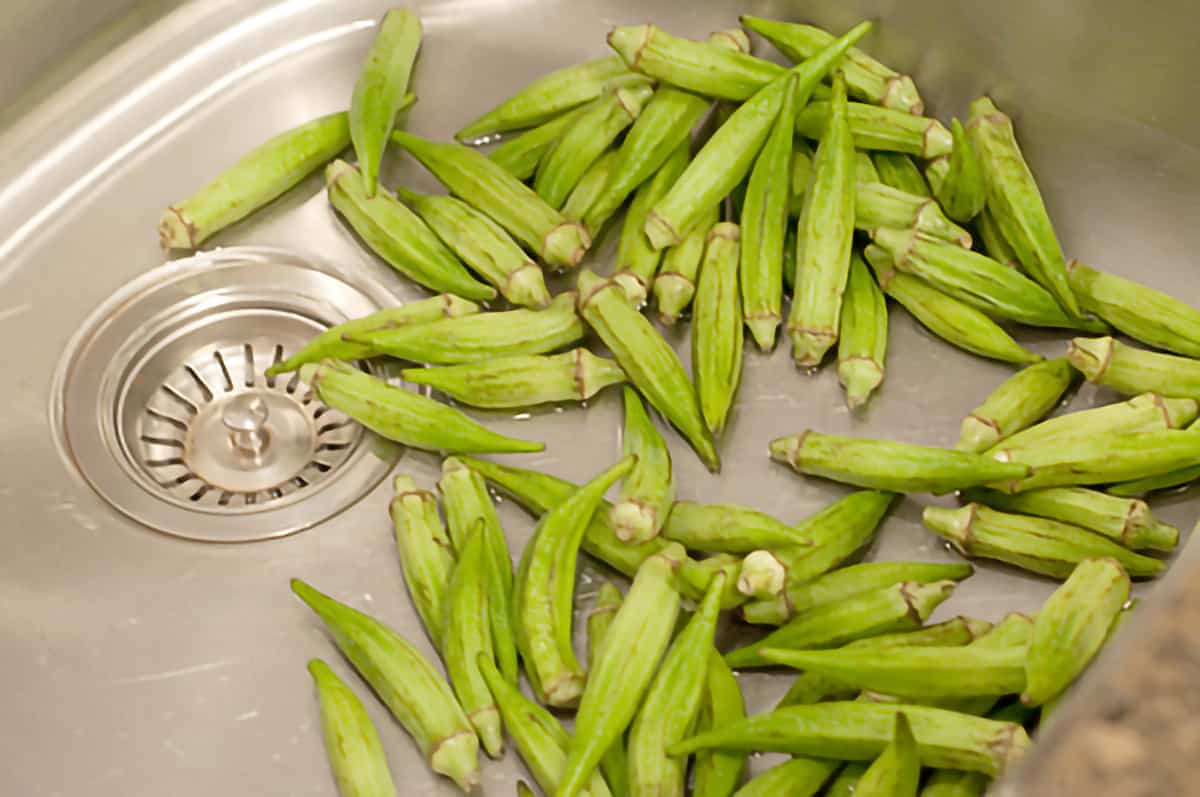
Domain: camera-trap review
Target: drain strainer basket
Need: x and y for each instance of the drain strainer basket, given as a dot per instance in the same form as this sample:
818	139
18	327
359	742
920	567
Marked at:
164	406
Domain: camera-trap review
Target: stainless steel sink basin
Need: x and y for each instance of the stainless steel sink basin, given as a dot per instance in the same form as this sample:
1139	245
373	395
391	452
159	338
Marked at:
139	663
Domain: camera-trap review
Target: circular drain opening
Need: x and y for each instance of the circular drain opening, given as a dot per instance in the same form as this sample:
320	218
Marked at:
165	408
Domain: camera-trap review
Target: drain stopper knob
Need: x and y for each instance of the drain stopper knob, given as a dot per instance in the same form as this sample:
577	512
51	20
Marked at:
245	417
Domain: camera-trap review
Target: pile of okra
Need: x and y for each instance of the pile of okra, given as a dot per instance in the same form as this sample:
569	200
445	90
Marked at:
742	181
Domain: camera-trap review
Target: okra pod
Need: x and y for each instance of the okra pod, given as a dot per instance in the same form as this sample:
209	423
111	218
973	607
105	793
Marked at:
539	737
648	360
677	276
638	261
897	770
545	586
412	689
862	335
799	777
426	555
898	170
725	159
1017	404
1036	544
1148	412
582	144
407	418
1016	203
845	583
845	783
488	188
637	640
648	490
892	608
878	205
884	465
1140	487
615	764
331	344
975	279
824	235
802	155
1107	361
1072	626
864	171
955	783
259	177
588	188
728	528
1139	311
717	334
399	236
866	78
355	753
716	773
523	790
523	380
483	245
764	226
992	241
546	98
467	503
953	321
859	731
957	178
380	89
481	337
520	155
876	128
696	574
1127	521
672	702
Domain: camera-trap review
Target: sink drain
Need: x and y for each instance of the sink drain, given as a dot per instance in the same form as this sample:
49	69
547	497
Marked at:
164	406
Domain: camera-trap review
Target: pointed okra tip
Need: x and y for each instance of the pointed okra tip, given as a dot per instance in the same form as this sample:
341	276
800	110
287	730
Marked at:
1091	356
321	672
310	595
629	42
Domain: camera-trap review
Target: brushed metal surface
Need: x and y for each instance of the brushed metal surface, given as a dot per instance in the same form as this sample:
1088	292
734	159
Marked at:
139	664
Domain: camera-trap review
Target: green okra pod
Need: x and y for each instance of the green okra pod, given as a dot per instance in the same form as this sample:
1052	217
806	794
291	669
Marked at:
957	178
866	78
1017	404
899	171
728	528
522	380
638	261
672	703
802	155
677	276
648	490
259	177
412	689
955	783
764	226
520	155
1127	521
648	360
726	158
893	466
588	188
1139	311
488	188
467	503
1164	481
878	205
523	790
862	334
864	172
892	608
875	128
799	777
1107	361
426	555
483	245
546	98
846	781
716	773
1072	626
859	731
582	144
399	236
897	770
824	235
480	337
953	321
467	637
615	764
696	574
539	737
845	583
637	640
355	753
405	417
992	241
331	344
1036	544
717	334
380	89
545	586
1148	412
1016	203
